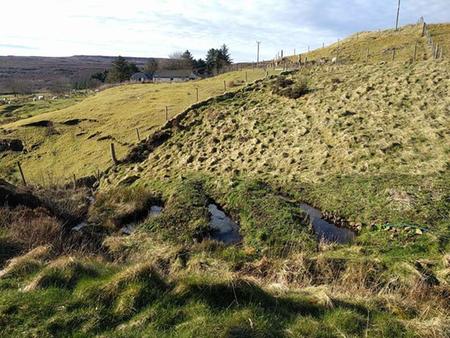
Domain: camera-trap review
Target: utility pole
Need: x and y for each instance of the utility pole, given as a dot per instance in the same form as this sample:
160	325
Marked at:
257	52
398	15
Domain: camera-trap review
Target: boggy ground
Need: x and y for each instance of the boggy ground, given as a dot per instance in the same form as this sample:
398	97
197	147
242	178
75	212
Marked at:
169	279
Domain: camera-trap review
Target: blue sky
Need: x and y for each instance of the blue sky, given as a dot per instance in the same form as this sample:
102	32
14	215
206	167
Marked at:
159	28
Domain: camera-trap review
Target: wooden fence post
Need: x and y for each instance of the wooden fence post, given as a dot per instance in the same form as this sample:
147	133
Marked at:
167	113
393	55
21	173
137	134
113	154
415	52
224	86
424	27
74	182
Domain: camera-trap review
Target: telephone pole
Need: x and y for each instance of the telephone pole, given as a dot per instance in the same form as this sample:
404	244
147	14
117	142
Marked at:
257	52
398	15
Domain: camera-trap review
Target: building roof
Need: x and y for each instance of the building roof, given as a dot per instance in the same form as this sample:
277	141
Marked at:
141	75
174	73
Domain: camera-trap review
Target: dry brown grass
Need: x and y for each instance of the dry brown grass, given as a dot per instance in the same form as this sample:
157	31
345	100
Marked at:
34	228
27	263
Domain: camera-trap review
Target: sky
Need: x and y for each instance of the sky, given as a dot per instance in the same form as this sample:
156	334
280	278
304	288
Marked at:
149	28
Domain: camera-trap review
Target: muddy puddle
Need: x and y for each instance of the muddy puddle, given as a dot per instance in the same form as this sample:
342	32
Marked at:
224	229
324	230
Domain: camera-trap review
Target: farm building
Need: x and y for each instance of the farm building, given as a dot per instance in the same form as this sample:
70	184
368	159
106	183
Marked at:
177	75
141	77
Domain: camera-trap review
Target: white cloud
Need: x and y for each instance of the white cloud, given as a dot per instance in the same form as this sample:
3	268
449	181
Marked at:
157	28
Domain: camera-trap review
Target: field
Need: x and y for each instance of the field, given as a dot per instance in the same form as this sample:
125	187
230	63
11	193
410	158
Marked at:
24	106
366	143
81	147
373	47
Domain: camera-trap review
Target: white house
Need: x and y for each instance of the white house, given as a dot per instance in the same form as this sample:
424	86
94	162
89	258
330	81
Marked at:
176	75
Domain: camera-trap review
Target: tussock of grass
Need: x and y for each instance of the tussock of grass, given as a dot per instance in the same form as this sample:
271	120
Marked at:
26	264
63	273
122	205
269	222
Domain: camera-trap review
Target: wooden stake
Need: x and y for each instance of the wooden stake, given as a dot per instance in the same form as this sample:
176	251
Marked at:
137	134
74	182
113	154
21	174
224	86
167	113
415	52
393	55
424	27
196	89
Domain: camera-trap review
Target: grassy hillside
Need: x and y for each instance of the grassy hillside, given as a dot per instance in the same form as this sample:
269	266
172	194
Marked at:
375	46
366	144
58	150
23	106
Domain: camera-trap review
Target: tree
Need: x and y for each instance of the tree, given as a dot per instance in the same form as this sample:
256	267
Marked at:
121	70
132	68
187	56
199	66
216	59
212	57
224	55
100	76
151	66
175	61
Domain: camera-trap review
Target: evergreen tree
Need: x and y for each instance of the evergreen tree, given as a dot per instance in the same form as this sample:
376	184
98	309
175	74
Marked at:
187	56
224	54
200	66
121	70
216	59
212	58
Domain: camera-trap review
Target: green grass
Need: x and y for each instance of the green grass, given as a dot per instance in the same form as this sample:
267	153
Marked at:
58	153
138	302
23	106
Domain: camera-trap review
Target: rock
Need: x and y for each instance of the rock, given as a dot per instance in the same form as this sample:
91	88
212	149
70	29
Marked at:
418	232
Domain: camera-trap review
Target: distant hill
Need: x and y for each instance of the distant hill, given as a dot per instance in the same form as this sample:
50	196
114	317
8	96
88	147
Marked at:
39	73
